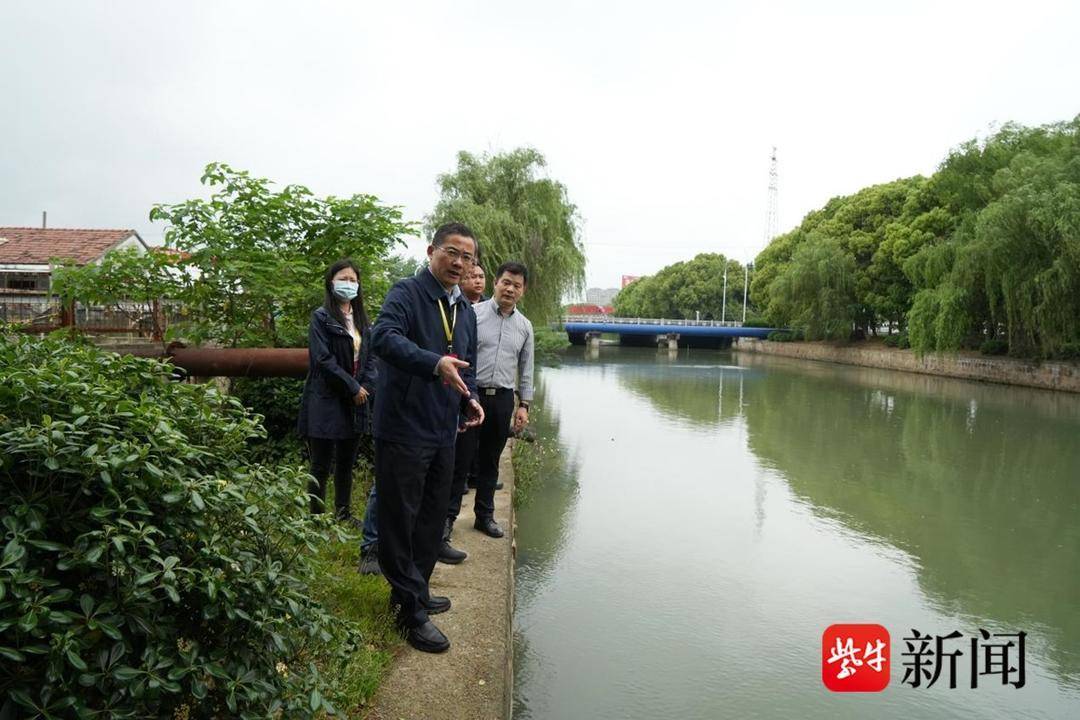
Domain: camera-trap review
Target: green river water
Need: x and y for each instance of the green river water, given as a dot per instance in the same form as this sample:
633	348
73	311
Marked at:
702	518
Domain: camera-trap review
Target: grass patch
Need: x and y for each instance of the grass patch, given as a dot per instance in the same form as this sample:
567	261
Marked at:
540	459
527	462
360	599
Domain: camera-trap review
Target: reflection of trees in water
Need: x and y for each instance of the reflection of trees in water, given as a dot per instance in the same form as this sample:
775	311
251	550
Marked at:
980	489
542	528
542	522
686	392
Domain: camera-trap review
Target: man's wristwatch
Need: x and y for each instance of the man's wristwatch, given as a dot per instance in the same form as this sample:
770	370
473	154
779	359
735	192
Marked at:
523	404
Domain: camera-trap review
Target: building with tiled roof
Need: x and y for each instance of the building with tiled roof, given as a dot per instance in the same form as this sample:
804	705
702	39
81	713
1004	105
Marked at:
27	255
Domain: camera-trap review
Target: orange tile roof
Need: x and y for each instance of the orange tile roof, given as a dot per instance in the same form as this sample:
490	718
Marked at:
37	246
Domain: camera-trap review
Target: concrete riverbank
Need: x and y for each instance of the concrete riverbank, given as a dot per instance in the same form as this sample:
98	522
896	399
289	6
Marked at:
968	366
473	680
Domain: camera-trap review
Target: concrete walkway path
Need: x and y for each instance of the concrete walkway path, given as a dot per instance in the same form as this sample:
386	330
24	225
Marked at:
473	680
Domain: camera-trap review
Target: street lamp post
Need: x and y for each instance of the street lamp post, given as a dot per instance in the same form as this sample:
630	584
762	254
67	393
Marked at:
723	304
745	284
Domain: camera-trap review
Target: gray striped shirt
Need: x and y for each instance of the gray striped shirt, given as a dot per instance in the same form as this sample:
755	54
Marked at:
504	349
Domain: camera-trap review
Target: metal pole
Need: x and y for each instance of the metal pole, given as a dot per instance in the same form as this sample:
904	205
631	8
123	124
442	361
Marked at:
745	284
723	305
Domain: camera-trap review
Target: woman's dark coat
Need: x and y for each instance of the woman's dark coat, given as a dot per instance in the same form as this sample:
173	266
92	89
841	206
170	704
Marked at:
327	409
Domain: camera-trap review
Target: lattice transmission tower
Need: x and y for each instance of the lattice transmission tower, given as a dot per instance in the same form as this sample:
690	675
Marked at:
771	220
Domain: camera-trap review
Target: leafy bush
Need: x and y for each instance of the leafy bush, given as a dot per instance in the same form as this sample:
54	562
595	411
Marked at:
1069	351
786	336
899	340
277	401
549	344
148	569
994	346
757	321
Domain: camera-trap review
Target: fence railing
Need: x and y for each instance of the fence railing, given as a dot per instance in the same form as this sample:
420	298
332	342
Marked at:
45	314
609	320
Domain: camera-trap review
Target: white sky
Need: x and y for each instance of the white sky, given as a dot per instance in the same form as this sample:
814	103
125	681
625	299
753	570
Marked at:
658	117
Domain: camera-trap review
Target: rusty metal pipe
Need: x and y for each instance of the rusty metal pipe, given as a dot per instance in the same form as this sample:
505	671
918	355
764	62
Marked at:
242	362
231	362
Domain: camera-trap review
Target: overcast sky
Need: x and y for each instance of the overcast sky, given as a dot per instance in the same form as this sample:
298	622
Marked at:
658	117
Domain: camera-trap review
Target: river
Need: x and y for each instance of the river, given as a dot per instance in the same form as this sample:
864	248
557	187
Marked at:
703	518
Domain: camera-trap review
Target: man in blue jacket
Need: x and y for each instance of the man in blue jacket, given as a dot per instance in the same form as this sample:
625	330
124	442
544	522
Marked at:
425	336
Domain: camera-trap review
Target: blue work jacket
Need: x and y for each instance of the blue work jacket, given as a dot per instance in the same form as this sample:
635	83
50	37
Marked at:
415	407
327	409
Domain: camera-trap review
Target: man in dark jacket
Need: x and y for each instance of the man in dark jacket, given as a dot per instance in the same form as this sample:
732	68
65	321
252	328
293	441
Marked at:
425	336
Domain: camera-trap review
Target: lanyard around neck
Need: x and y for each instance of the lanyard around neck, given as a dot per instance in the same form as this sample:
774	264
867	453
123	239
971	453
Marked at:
448	327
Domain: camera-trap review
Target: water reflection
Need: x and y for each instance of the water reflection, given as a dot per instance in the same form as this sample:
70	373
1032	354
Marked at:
979	489
541	540
688	388
708	515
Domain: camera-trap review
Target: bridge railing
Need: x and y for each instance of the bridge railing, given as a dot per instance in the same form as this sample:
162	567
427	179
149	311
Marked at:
608	319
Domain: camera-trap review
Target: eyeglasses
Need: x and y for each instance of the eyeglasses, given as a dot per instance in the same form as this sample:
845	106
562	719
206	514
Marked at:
454	254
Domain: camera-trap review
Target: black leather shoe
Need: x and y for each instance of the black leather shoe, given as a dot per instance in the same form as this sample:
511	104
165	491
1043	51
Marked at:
369	561
489	527
439	604
499	485
451	555
427	638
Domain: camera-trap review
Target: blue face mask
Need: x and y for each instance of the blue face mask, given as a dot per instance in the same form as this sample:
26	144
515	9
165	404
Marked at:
345	289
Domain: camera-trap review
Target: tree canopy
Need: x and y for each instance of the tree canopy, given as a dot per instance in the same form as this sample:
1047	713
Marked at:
247	264
682	290
985	249
517	214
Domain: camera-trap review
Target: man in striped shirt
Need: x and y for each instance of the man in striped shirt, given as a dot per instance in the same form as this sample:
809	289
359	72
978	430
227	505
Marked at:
504	363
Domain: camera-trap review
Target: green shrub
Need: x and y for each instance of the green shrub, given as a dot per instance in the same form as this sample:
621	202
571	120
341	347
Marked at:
1068	351
148	569
757	321
549	344
993	346
899	340
277	401
786	336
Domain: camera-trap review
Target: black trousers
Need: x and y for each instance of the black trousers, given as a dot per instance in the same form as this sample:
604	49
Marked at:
413	487
498	412
342	454
464	463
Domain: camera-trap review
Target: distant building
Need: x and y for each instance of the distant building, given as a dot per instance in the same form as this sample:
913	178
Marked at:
27	254
627	279
588	309
600	296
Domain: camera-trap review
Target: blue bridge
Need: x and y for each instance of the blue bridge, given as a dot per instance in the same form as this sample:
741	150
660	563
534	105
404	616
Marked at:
585	329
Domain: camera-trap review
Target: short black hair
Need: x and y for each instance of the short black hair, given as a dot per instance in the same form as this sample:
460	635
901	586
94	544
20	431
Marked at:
454	228
514	268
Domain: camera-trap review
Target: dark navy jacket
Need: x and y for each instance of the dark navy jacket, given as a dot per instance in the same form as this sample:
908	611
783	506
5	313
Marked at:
415	407
327	409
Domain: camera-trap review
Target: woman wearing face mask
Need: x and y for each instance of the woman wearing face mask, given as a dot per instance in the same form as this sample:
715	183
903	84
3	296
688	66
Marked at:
340	384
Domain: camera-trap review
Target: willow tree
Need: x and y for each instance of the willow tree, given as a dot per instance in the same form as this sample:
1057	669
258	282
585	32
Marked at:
816	291
1014	271
517	214
1010	271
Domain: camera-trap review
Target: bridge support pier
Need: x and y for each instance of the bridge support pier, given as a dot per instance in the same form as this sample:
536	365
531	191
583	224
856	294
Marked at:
669	340
592	340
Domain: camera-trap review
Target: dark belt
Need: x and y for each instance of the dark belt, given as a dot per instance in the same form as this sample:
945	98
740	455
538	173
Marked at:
494	390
